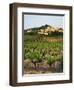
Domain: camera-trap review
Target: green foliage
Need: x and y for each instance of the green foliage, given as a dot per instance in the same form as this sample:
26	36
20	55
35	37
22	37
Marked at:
50	60
36	48
59	58
36	56
42	50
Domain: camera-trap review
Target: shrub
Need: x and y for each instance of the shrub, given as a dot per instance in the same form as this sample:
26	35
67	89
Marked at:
50	60
35	58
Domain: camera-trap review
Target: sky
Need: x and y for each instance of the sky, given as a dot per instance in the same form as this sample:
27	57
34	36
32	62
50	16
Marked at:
31	21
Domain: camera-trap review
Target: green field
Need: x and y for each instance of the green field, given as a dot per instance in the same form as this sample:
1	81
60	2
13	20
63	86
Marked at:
43	54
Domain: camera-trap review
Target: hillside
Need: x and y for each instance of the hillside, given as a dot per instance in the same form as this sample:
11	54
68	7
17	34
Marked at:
45	29
43	50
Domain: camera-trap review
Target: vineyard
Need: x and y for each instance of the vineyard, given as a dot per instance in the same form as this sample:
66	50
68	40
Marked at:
43	54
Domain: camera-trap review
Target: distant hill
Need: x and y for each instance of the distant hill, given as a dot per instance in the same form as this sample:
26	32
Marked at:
45	29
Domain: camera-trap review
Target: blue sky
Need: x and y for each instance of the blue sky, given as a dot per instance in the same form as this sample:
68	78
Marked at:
31	21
